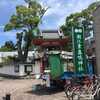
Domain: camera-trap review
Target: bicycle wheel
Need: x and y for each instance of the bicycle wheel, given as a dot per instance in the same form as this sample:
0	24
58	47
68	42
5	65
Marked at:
75	96
68	92
98	95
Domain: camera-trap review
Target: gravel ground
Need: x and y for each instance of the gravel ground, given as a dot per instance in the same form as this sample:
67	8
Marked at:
21	89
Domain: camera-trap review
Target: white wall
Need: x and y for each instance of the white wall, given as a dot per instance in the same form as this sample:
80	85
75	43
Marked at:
22	70
8	69
36	68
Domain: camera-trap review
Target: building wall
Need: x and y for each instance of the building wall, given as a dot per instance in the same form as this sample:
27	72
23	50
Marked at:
10	70
13	54
97	37
36	68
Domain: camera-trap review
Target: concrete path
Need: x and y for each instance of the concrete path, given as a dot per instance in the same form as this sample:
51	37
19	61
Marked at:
21	89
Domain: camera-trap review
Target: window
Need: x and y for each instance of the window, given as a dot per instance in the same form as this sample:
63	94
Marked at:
16	68
28	68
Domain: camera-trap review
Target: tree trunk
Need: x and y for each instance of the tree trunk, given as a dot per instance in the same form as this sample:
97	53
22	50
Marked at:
25	53
26	49
19	43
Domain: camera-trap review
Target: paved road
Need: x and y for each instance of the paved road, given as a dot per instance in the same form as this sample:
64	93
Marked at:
22	90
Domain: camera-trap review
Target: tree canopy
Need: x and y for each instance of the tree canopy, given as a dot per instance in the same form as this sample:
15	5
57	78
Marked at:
73	20
26	19
8	46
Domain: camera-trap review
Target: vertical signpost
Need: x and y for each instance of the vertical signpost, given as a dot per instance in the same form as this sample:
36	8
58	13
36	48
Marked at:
35	33
79	50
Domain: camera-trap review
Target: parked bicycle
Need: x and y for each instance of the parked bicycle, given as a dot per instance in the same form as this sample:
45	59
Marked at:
83	87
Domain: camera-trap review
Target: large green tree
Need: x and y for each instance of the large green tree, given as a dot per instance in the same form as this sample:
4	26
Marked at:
26	19
74	20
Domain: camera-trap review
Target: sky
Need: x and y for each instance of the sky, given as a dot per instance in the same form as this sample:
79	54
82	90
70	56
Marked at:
54	17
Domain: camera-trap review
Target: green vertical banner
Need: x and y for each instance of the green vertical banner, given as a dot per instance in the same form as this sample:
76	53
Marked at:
56	65
79	50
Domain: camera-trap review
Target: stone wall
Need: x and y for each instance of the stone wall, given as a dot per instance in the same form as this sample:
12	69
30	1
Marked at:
97	37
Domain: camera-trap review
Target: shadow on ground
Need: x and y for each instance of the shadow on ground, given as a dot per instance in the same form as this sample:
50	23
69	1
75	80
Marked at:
41	90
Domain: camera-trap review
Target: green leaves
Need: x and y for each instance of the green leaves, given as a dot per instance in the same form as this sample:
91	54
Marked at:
73	20
8	46
8	27
25	19
22	10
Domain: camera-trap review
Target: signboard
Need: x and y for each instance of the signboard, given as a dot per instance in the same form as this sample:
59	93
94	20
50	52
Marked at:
79	50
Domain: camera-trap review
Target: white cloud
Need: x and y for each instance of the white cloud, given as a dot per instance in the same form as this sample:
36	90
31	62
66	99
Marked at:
1	26
54	17
53	9
7	34
60	9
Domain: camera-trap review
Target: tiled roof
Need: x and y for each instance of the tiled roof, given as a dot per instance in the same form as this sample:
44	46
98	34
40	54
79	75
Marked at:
50	31
51	34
